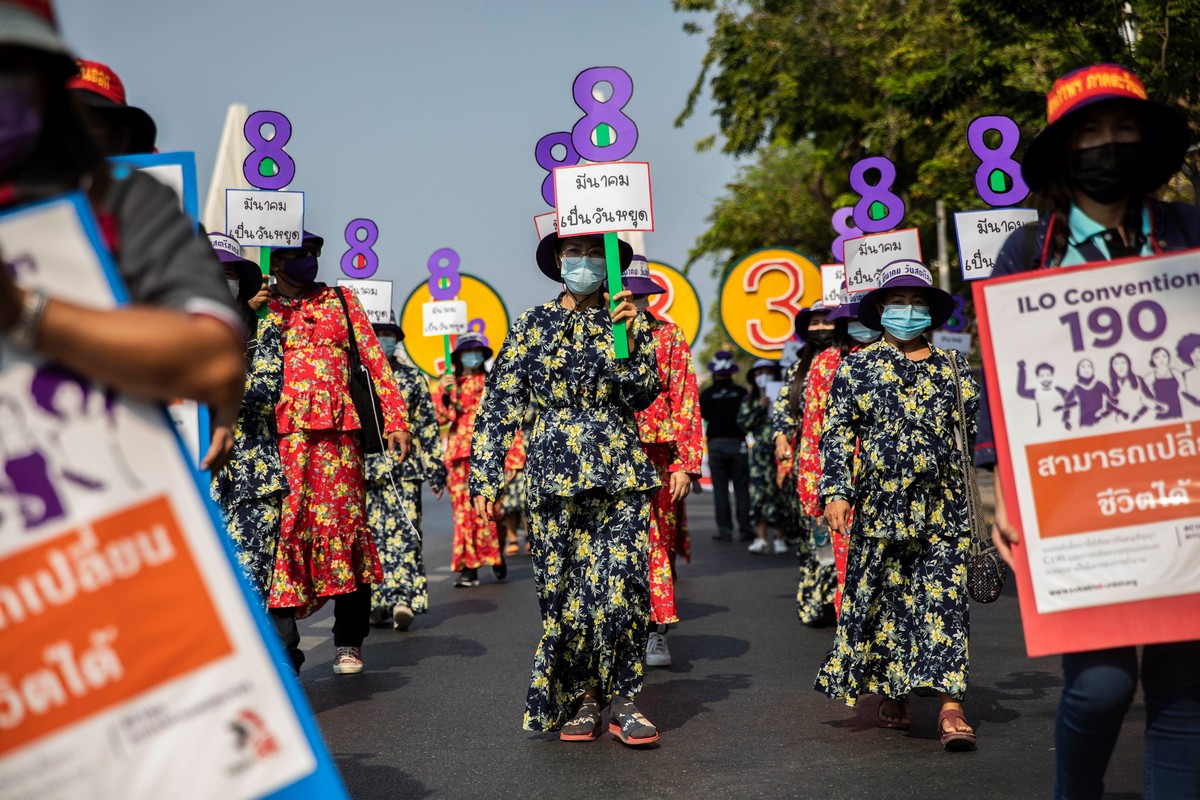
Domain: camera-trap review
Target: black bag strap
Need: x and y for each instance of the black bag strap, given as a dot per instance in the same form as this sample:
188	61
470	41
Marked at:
349	325
1033	258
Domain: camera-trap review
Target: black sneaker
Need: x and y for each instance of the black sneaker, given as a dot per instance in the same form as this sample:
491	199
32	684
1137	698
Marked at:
466	579
500	571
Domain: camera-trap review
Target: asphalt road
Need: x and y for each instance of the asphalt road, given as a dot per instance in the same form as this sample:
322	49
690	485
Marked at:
437	712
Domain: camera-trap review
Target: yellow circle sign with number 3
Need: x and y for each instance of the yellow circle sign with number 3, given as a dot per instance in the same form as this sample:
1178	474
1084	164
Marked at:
761	296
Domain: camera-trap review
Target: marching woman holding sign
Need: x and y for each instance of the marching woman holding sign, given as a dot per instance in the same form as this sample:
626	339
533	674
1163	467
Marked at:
671	434
852	334
325	545
394	495
476	540
1105	148
589	489
769	502
180	337
818	581
903	622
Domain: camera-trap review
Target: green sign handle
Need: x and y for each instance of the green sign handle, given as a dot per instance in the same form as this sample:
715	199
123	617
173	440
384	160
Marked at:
612	260
446	347
264	263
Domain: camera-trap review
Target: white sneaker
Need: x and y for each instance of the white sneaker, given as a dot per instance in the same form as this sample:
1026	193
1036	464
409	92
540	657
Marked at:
348	661
758	547
657	654
402	617
781	547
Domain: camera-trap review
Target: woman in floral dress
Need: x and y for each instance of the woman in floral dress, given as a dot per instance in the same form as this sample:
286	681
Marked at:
394	496
325	545
818	581
769	503
851	336
671	433
588	490
903	624
476	540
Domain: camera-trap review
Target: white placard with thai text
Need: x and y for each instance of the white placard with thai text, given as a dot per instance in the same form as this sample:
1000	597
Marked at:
981	234
867	255
833	284
603	198
444	318
375	297
264	219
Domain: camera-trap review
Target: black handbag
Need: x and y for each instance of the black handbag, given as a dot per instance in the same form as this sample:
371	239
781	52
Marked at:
986	571
363	394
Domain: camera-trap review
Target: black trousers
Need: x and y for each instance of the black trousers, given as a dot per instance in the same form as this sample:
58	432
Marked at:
729	461
351	623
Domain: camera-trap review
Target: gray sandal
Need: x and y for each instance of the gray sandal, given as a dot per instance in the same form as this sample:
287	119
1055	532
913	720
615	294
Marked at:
585	727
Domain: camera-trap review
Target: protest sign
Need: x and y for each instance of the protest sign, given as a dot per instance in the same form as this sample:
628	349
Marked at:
264	219
604	198
761	296
981	234
128	637
867	255
833	285
486	315
545	224
375	297
1094	377
949	340
444	318
679	304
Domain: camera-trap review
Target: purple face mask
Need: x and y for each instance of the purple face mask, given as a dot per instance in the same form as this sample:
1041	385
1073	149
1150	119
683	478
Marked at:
20	122
301	271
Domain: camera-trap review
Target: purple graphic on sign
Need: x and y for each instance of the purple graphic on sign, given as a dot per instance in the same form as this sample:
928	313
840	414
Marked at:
843	220
443	266
880	209
360	261
268	150
622	135
958	320
544	153
477	325
998	177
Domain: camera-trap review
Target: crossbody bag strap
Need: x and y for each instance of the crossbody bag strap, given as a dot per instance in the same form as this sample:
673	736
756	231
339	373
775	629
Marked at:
349	325
971	490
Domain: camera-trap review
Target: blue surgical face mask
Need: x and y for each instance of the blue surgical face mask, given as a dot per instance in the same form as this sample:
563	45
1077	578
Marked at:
582	274
388	344
905	322
861	333
472	360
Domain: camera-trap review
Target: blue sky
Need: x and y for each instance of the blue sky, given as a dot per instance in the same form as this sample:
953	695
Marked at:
420	115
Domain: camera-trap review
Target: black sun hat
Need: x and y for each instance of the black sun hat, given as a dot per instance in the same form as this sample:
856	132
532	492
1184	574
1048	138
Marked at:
547	249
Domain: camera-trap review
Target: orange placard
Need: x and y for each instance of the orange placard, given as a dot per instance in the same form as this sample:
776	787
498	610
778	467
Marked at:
120	607
761	296
1101	482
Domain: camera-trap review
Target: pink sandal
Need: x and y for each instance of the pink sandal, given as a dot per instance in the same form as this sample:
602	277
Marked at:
954	741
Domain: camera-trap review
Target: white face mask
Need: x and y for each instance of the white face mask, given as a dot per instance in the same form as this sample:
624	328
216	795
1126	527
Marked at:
762	379
235	287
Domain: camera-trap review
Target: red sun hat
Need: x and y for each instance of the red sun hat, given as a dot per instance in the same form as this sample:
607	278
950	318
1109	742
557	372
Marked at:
1164	130
102	91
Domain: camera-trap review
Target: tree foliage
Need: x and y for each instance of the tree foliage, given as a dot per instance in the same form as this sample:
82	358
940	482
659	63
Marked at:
809	87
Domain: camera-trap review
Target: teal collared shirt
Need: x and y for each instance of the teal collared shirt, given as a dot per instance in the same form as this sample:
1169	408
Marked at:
1084	227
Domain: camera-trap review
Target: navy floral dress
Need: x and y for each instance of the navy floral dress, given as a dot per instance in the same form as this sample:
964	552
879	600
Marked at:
588	487
251	487
768	503
394	500
903	624
817	584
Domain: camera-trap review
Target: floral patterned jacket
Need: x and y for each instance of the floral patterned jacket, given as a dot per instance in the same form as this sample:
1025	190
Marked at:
254	469
424	463
316	358
458	408
904	413
586	434
674	416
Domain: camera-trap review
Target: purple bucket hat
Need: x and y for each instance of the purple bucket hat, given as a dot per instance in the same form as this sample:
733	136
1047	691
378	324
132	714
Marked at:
470	341
722	363
229	253
847	310
805	317
902	273
390	326
636	278
547	252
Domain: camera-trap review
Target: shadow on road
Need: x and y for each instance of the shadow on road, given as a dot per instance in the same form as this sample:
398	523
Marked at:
440	613
364	778
687	648
682	699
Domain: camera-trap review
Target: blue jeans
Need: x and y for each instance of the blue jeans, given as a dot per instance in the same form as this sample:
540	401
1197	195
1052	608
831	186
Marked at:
1098	687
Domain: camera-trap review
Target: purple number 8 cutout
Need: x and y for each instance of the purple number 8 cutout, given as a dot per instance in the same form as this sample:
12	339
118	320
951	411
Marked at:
543	153
607	112
361	261
998	159
262	149
448	272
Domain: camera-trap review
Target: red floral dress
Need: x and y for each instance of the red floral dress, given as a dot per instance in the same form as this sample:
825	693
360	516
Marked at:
672	436
808	453
325	546
476	541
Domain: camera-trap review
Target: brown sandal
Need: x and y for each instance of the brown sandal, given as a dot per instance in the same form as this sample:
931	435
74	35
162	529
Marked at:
902	724
954	741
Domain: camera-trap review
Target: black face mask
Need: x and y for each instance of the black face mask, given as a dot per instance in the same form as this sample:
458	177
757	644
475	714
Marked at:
820	339
1108	172
300	271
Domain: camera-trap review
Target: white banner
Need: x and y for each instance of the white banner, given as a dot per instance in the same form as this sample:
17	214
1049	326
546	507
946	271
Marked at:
833	284
603	198
545	224
375	296
444	318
